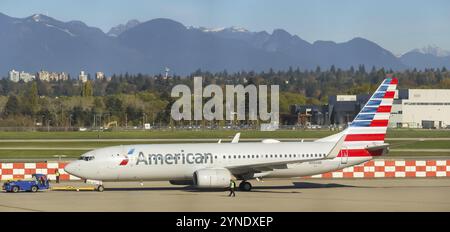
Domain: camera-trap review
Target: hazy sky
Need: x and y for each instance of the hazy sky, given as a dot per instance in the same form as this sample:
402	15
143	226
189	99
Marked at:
397	25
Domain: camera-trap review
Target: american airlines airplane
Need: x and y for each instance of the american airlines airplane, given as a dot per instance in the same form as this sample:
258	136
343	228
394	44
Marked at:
207	165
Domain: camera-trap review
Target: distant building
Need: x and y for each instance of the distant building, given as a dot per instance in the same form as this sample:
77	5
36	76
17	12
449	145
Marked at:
83	77
26	77
343	108
340	110
99	76
421	108
63	76
52	76
16	76
44	75
311	114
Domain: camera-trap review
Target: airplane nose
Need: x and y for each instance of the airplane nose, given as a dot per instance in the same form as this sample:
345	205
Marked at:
72	168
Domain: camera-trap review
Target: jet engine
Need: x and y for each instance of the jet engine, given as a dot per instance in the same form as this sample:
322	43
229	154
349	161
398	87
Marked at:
212	178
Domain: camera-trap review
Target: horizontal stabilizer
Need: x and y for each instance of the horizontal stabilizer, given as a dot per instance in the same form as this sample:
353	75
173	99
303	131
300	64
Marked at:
236	138
337	148
377	147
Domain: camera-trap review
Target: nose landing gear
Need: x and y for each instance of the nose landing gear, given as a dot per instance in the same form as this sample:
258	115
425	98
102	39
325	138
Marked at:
245	186
100	188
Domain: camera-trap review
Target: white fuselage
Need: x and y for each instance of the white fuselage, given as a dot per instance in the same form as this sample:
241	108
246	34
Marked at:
180	161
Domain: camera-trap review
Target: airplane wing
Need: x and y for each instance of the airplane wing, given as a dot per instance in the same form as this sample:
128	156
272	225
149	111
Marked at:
258	168
270	166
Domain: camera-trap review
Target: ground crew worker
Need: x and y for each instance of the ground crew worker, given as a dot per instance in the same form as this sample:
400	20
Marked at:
57	175
232	187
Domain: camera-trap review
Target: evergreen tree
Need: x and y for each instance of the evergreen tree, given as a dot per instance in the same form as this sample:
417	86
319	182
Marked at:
12	106
33	98
87	90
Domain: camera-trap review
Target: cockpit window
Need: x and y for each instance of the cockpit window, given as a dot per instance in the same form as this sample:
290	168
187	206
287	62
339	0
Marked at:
86	158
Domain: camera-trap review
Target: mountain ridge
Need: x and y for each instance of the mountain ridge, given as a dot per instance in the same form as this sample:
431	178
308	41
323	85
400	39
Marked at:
41	42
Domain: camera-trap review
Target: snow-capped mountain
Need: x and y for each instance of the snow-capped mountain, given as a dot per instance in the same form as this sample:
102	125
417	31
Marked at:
432	50
429	56
222	29
49	22
119	29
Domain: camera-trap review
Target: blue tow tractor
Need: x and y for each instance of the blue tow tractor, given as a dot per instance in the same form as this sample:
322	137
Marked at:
38	182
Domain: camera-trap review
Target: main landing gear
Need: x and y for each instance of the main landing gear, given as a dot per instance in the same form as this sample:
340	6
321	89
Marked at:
245	186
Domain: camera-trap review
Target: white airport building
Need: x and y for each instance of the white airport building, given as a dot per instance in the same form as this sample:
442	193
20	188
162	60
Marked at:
421	108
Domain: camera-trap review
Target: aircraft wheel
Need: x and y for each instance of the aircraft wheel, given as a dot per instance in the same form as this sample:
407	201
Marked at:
34	189
100	188
245	186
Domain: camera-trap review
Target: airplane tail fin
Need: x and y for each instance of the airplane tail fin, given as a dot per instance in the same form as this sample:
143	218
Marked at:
366	133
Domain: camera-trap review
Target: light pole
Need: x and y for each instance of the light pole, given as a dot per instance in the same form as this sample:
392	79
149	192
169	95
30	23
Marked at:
100	124
70	121
144	120
95	118
153	118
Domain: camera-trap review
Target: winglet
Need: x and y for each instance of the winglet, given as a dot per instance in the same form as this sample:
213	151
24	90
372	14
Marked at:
236	138
337	148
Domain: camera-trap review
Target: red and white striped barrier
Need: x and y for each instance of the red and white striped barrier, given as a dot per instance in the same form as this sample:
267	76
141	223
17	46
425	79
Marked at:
11	171
370	169
393	169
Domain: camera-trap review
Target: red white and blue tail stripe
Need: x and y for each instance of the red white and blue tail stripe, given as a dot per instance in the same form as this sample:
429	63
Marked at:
369	127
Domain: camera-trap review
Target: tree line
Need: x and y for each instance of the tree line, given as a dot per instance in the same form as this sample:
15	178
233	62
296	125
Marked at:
134	99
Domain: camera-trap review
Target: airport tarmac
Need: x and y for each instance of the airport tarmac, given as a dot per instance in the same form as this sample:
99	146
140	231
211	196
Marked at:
428	194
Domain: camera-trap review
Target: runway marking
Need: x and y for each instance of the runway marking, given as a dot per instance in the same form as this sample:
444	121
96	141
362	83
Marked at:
21	208
194	140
